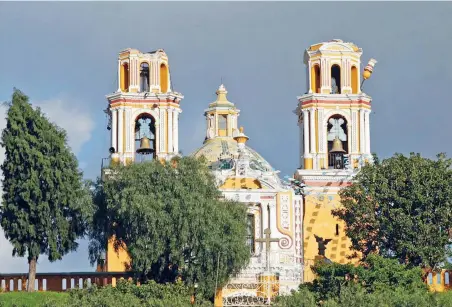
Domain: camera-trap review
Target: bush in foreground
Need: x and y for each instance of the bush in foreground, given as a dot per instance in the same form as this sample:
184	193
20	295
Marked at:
34	299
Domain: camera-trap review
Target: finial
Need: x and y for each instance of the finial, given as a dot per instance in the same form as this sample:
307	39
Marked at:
241	138
368	70
221	88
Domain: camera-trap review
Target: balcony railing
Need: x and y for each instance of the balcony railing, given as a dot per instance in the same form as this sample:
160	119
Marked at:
61	281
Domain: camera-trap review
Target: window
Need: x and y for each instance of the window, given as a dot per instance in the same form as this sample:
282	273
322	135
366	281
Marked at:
125	77
222	121
337	136
430	278
250	231
144	77
337	229
446	278
335	79
315	79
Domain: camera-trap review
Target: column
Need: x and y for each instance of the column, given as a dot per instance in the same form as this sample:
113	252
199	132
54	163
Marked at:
228	125
119	76
312	129
114	126
367	125
120	130
353	136
306	132
313	138
361	132
176	131
128	129
162	131
301	149
321	138
170	129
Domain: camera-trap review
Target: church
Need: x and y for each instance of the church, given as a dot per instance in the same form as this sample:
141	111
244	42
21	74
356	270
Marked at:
290	224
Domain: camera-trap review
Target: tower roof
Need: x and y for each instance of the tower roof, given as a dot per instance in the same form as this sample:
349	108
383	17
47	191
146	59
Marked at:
222	100
334	45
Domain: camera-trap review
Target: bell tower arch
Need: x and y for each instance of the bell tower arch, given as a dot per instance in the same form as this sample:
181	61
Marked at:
334	123
144	111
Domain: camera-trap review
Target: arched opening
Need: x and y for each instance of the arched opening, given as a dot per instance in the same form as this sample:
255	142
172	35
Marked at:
355	81
144	138
335	79
125	77
222	124
337	137
315	78
144	77
163	78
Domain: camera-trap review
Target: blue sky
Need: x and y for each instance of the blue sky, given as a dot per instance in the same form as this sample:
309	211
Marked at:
63	55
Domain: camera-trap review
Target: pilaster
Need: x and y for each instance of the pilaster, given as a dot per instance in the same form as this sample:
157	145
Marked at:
120	130
170	130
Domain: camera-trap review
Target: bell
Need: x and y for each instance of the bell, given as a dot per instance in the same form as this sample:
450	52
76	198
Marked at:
145	146
337	146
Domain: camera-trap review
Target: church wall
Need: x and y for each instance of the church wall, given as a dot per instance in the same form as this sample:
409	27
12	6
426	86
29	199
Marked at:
319	221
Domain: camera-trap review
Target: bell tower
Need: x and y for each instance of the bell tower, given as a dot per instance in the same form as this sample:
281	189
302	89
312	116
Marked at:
334	123
144	111
143	120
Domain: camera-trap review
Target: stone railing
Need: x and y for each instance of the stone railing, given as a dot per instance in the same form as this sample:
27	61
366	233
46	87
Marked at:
61	281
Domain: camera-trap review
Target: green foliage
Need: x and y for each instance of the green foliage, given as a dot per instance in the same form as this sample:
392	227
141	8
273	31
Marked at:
36	299
173	222
401	208
301	298
124	294
375	274
45	203
127	294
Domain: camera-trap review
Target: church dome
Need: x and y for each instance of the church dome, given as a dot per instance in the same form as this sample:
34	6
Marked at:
222	154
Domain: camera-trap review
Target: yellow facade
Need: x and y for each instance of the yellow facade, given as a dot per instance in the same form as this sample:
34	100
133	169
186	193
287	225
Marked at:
117	258
439	281
319	221
333	109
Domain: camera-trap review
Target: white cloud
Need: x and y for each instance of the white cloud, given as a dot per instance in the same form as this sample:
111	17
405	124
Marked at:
76	121
78	125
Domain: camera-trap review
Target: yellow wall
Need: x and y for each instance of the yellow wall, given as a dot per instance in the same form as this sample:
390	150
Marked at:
315	79
319	221
354	81
241	183
163	78
117	260
124	77
440	286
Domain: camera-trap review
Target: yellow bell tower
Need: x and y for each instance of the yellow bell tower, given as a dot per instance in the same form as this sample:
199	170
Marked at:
334	122
143	120
144	111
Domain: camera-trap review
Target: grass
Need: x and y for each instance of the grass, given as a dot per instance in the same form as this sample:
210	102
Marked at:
35	299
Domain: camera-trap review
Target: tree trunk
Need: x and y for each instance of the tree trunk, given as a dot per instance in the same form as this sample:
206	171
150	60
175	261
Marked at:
31	274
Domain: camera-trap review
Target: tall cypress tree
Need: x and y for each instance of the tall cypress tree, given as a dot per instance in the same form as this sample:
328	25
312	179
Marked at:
45	202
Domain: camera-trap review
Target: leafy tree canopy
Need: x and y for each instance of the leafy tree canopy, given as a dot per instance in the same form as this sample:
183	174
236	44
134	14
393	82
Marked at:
45	202
173	222
401	208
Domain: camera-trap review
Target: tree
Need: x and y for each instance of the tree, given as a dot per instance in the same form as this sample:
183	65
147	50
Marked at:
401	207
45	202
170	217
